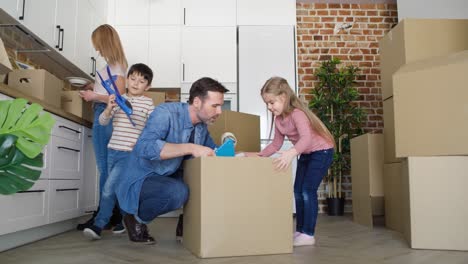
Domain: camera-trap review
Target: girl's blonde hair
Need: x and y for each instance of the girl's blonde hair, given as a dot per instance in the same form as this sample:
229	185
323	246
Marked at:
279	86
106	40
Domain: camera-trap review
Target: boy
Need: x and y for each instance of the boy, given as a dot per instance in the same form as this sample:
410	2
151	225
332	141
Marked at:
124	137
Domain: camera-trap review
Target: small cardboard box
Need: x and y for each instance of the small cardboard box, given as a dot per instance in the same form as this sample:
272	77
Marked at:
37	83
237	207
416	39
367	178
245	127
395	216
158	97
430	107
5	65
72	103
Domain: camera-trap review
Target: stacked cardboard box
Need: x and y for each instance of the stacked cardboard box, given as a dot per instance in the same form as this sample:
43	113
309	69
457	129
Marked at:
423	77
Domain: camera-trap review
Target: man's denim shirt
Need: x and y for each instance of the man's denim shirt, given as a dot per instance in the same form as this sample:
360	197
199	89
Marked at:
169	122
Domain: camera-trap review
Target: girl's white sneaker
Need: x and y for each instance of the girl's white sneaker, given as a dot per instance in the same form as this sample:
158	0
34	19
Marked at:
304	240
296	234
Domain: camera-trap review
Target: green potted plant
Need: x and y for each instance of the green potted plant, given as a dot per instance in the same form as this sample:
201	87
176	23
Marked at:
334	102
24	131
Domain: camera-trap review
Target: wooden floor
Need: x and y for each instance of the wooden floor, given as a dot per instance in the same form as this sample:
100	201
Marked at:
339	240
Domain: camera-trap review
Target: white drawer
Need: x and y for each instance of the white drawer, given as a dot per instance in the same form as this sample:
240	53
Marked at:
64	200
67	129
65	159
25	209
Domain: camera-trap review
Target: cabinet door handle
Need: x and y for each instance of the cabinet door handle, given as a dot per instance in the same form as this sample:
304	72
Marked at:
22	12
184	16
71	149
93	67
183	72
68	189
71	129
58	39
63	36
33	191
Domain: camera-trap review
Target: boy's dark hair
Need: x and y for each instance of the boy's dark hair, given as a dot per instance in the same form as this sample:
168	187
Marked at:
143	70
202	86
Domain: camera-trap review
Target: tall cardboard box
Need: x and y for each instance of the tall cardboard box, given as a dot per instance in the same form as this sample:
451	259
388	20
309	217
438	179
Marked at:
396	200
37	83
416	39
72	102
237	207
246	128
437	202
367	178
158	97
430	107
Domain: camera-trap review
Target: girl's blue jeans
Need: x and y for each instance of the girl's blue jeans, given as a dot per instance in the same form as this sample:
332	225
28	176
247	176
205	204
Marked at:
310	171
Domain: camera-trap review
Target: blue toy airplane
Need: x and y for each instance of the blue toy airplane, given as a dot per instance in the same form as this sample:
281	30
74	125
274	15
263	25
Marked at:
120	100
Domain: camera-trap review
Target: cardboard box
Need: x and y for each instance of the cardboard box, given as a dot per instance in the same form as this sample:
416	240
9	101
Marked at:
245	127
367	178
72	102
5	64
394	189
38	83
158	97
430	106
416	39
237	207
88	111
437	202
389	132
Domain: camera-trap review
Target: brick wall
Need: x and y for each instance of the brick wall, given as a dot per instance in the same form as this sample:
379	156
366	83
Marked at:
359	46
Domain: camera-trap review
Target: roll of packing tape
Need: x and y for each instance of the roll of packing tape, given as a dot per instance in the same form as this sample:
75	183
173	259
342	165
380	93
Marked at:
228	135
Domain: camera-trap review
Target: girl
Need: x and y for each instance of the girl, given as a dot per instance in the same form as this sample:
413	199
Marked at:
312	141
107	43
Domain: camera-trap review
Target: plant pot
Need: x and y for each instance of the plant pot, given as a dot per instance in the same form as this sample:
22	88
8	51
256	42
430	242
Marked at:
335	206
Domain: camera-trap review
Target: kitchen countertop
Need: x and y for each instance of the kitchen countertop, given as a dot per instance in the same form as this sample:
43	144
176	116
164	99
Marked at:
7	90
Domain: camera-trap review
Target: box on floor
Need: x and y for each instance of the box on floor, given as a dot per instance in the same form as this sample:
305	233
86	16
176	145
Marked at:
237	207
367	178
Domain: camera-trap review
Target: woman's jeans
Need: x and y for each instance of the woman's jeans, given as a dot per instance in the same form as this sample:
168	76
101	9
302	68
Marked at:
101	137
310	171
162	194
118	163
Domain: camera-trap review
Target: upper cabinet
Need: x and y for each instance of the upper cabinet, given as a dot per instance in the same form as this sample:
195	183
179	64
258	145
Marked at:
65	25
12	7
209	12
165	12
145	12
39	17
266	12
84	58
164	55
135	43
209	52
135	12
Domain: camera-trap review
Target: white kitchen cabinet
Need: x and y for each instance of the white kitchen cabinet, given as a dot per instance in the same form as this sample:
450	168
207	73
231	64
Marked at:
64	200
165	12
67	129
39	17
135	41
100	8
66	159
25	209
266	12
12	7
164	55
84	50
135	12
65	22
209	52
90	181
209	12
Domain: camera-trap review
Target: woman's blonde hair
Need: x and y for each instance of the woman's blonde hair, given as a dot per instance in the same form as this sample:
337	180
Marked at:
279	86
106	40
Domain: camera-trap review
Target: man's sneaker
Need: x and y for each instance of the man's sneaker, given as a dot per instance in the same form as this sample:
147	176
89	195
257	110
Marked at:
119	229
88	223
93	232
180	228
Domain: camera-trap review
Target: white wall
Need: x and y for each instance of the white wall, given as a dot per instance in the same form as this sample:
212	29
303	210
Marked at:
432	9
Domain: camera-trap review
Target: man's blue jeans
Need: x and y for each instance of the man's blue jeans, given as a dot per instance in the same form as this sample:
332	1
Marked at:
117	162
310	171
162	194
101	137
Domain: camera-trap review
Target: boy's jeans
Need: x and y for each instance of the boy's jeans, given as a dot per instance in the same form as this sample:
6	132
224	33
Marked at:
101	137
117	162
310	170
160	195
